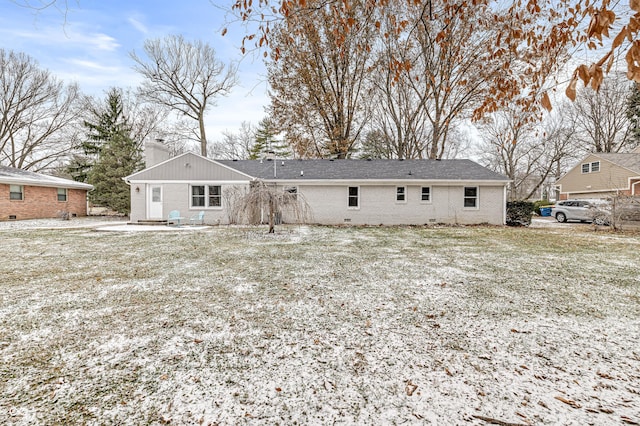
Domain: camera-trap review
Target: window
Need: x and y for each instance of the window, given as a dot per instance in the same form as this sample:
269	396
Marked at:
15	192
591	167
206	196
353	196
215	196
156	194
401	195
471	196
62	194
197	196
425	194
292	191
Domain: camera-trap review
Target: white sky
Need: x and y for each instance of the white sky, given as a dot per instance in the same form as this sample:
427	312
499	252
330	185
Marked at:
91	46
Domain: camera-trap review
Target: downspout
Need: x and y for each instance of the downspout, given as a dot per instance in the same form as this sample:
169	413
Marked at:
504	204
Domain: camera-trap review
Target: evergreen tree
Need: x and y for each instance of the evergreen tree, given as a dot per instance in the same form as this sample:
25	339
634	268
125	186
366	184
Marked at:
267	141
633	114
106	122
119	157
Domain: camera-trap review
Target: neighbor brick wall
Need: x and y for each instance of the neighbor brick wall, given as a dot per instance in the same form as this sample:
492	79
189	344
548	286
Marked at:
41	202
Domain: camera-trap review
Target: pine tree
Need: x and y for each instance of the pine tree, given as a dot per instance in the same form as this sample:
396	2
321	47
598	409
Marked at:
633	114
119	157
109	154
107	122
267	141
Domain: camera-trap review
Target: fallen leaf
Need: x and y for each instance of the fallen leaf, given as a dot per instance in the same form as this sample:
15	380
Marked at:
410	388
568	402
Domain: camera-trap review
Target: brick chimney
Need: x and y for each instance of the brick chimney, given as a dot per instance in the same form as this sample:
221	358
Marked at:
155	152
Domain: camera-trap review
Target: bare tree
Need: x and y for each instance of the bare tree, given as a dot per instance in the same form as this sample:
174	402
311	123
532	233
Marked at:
272	200
38	114
318	89
526	151
234	145
601	116
184	76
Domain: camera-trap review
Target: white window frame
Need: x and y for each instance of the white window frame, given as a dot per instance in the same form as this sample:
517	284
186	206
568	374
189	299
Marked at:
65	193
401	191
293	190
211	196
592	167
476	198
357	198
12	190
208	195
422	200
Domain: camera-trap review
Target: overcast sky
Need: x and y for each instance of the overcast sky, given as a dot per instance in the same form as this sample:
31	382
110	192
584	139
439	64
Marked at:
91	46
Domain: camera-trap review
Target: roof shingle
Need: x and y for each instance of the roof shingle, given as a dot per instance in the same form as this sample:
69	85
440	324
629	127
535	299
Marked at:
460	170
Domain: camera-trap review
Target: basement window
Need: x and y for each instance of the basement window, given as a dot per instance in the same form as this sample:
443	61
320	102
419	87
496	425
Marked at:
16	192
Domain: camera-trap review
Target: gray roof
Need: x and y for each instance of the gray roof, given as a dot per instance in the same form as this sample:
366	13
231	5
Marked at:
441	170
630	161
13	176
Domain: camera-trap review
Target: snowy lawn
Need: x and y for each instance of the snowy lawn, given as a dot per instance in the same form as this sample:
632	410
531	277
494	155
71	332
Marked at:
319	325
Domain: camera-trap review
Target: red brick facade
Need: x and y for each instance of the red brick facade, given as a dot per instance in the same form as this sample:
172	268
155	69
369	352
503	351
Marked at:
41	202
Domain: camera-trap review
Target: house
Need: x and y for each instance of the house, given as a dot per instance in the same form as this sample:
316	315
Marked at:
29	195
601	175
389	192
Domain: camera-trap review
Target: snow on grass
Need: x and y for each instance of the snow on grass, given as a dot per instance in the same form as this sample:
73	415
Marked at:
453	325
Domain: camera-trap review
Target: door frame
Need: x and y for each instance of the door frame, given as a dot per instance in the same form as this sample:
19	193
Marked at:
152	207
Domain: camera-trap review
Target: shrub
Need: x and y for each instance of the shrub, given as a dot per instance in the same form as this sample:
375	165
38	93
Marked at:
519	213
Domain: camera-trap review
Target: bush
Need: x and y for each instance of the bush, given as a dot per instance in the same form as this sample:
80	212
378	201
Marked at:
519	213
540	203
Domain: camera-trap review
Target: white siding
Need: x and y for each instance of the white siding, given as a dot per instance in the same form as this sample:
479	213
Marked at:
378	205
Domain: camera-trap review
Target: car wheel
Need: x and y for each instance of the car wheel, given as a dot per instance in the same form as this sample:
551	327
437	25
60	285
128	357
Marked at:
561	217
601	221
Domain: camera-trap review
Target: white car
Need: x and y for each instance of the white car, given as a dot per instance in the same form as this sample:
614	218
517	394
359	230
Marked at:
583	210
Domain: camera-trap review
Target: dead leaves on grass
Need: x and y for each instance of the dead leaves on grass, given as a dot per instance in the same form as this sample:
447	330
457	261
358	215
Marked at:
569	402
410	388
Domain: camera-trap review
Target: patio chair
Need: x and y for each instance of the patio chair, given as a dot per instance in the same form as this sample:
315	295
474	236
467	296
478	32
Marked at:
174	218
197	219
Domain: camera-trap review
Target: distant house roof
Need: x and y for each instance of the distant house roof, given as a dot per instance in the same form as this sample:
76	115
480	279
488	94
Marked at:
448	170
13	176
629	161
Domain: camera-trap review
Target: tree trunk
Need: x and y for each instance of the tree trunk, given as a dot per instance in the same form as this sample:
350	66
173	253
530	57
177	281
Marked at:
203	136
272	216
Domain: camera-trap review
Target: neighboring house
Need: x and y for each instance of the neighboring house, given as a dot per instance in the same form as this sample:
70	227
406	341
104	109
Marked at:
601	175
29	195
389	192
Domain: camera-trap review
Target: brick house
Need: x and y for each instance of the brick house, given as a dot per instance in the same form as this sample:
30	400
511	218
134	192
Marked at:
29	195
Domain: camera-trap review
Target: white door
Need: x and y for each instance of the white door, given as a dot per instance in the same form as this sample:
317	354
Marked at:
155	202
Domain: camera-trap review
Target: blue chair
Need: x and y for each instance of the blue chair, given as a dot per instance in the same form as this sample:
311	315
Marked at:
174	218
197	219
